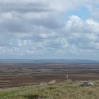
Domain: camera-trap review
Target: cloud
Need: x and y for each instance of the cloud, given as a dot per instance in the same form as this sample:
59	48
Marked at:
82	34
24	7
76	24
33	26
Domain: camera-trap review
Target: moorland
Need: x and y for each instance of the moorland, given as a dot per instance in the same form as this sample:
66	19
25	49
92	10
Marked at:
23	74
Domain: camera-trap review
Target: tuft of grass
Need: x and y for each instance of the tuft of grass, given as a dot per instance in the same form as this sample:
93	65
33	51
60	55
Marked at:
64	90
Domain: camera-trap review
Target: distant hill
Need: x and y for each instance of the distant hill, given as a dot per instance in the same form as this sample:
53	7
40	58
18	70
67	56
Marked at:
49	61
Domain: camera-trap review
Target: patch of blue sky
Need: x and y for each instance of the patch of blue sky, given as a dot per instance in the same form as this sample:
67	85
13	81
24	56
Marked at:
96	6
82	13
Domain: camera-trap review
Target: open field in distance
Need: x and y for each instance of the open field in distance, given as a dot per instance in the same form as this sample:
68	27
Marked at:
13	75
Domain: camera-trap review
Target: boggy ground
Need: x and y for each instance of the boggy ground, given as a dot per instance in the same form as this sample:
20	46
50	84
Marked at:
14	75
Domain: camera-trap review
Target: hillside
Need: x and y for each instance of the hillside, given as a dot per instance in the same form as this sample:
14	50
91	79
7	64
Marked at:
64	90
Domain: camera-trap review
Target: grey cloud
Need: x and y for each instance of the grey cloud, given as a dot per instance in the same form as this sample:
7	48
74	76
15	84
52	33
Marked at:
17	24
24	7
14	25
4	41
50	22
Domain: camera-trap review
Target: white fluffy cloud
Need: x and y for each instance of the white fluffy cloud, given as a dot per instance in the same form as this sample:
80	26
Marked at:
82	34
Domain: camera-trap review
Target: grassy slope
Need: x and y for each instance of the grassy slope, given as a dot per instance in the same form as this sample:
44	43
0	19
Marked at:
56	91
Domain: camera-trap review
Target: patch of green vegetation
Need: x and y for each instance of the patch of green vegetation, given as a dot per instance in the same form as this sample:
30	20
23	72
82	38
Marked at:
70	90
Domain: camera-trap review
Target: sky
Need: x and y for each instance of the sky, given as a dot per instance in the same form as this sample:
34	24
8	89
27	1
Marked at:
49	29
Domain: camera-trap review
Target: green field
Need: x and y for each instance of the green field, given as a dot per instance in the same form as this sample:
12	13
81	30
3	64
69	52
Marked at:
65	90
